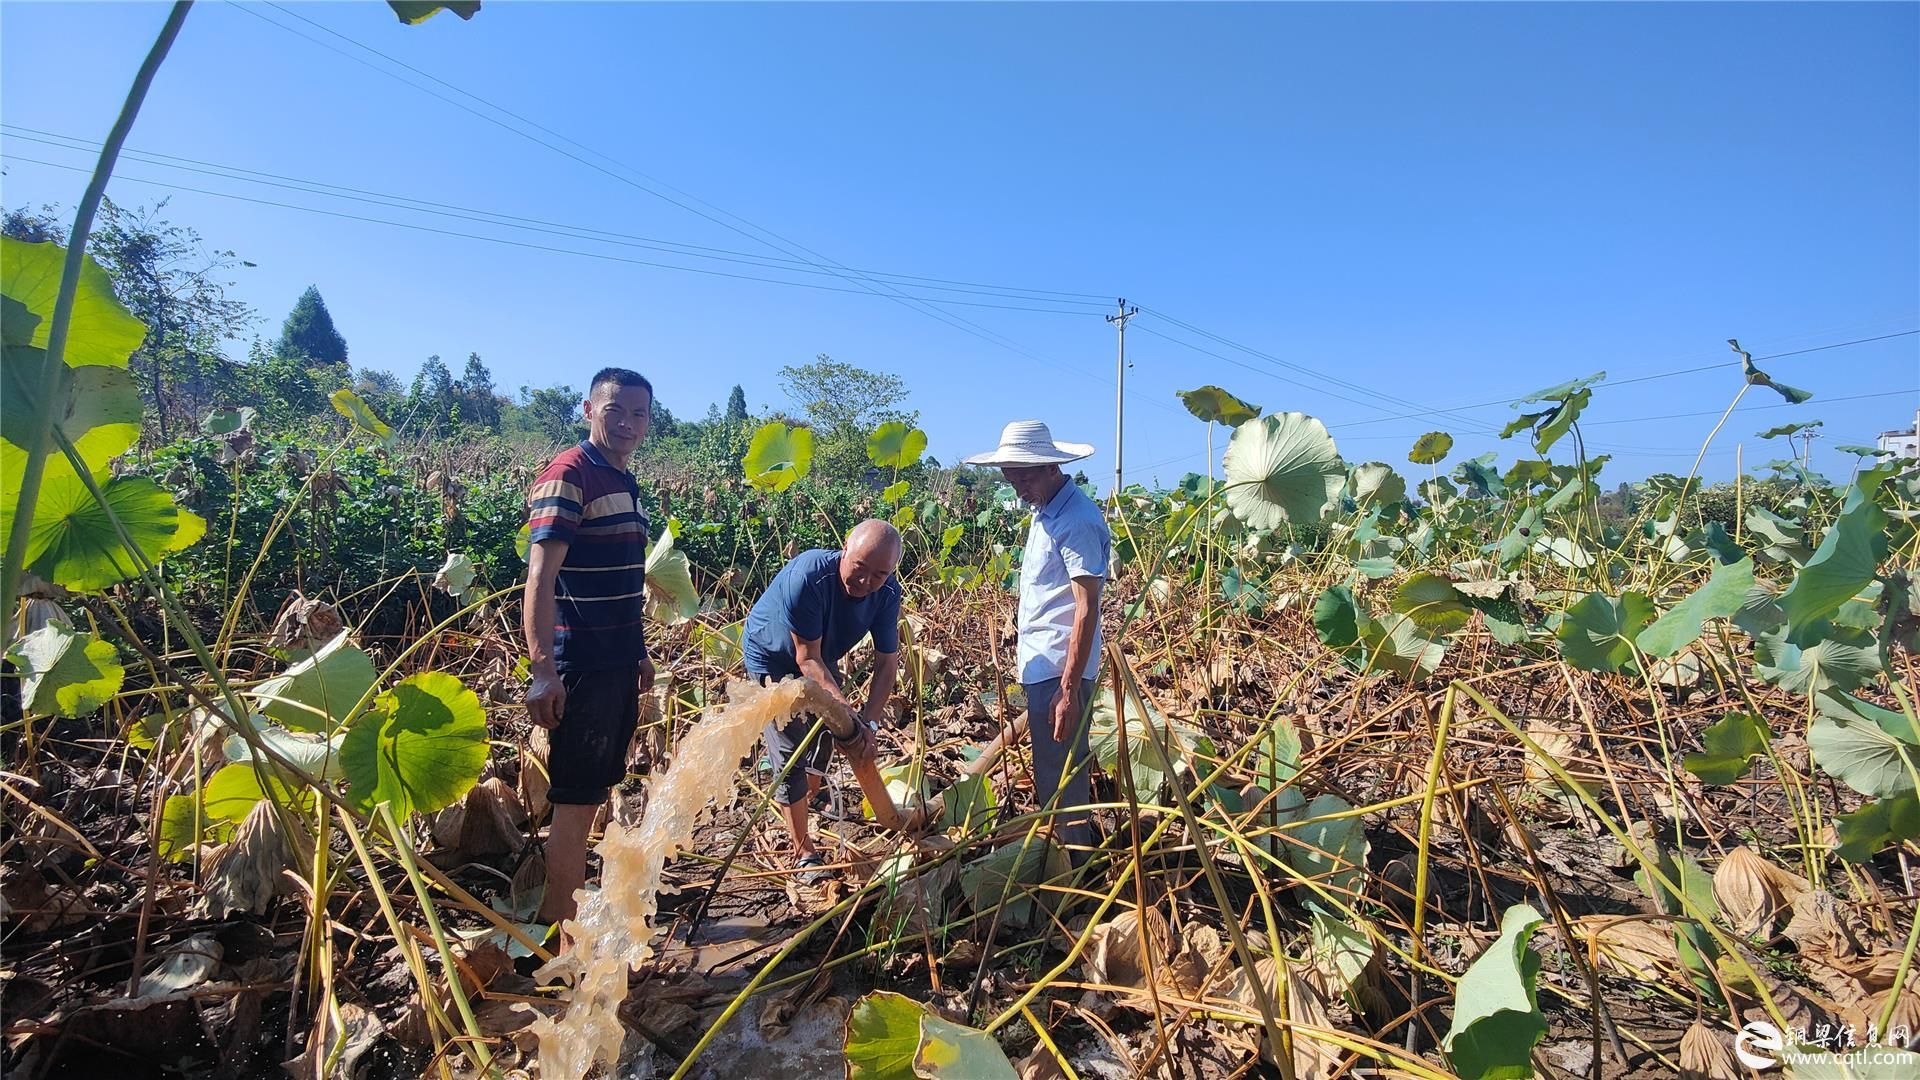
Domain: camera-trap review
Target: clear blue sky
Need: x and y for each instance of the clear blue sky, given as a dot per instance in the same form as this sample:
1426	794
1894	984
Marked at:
1447	205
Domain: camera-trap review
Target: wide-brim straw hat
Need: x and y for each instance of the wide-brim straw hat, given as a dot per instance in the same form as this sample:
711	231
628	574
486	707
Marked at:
1028	442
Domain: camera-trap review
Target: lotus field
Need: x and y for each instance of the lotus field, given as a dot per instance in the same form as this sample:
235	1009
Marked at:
1430	767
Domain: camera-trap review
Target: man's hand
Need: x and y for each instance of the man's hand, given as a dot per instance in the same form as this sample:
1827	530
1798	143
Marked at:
646	674
1066	710
546	699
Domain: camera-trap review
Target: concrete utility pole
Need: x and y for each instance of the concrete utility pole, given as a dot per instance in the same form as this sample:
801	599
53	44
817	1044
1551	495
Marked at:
1120	389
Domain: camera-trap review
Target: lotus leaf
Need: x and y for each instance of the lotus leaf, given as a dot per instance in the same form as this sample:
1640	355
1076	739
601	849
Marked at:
1756	377
669	581
1282	468
354	407
778	456
1430	448
100	331
1216	406
1432	603
317	693
415	12
65	673
74	544
1376	484
1721	597
420	746
1598	632
1845	563
1496	1016
1864	832
1732	742
894	445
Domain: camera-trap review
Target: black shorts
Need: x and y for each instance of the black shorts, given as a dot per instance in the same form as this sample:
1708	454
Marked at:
589	748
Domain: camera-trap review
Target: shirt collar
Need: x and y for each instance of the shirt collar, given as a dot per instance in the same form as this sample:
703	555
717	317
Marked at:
593	454
1060	499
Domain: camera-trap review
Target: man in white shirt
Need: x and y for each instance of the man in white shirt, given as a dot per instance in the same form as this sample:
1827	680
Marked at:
1064	567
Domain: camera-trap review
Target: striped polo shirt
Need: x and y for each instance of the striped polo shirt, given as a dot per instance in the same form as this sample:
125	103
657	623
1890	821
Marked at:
592	506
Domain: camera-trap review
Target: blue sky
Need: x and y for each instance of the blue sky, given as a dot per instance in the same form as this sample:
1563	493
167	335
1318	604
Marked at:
1436	206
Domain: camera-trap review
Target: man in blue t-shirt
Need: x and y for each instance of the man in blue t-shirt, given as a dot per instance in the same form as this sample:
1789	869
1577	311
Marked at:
815	611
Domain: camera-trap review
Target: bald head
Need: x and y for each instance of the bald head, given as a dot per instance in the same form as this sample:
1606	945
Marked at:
871	555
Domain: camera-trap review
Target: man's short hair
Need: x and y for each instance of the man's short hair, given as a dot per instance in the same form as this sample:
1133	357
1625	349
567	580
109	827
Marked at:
618	376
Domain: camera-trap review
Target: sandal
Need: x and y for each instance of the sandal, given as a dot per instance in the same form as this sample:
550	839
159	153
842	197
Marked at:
812	869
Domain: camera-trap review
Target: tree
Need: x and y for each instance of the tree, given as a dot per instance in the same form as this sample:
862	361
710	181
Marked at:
842	404
478	404
552	412
431	403
737	405
171	282
309	332
382	390
834	394
35	227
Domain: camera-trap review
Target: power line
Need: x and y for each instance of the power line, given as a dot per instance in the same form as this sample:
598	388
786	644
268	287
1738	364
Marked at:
529	246
442	209
778	242
1665	375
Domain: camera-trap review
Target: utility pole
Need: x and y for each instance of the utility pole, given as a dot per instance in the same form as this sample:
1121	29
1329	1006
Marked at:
1119	322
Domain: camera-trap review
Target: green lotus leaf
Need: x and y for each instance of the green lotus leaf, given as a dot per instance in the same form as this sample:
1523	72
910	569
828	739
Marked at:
1720	598
1732	742
894	492
1242	595
1480	476
1524	421
73	543
1560	420
353	407
670	581
1328	848
183	826
232	792
1841	658
1339	948
1845	563
1282	468
903	517
65	673
97	409
1432	603
950	1051
894	445
101	331
420	747
319	692
523	540
1430	448
1562	391
415	12
1336	618
1520	539
1598	632
1863	833
778	456
950	537
1377	566
315	755
1756	377
1496	1015
227	421
1376	484
1216	406
1564	551
1147	765
1014	872
1791	429
1396	644
1860	753
1715	539
455	576
1527	472
883	1034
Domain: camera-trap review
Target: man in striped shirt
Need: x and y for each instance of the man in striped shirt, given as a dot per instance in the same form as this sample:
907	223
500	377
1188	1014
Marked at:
586	578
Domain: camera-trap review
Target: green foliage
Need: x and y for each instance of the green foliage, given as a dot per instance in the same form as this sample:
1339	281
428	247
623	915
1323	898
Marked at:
1496	1014
669	578
415	12
317	693
309	334
1216	406
778	456
894	445
1869	749
1845	563
1864	832
1719	598
1431	602
1282	468
419	747
1013	871
1376	484
65	673
892	1037
74	542
1732	742
1430	448
1598	632
1756	377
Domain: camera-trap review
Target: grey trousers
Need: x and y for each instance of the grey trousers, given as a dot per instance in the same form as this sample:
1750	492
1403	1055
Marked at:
1050	761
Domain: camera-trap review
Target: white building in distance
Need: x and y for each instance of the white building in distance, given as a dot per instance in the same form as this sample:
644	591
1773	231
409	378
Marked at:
1902	443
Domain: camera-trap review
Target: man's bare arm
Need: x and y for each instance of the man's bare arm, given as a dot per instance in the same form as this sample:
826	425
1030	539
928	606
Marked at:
1086	621
547	697
813	664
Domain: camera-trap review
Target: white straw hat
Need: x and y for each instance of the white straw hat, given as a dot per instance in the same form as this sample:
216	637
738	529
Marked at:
1028	442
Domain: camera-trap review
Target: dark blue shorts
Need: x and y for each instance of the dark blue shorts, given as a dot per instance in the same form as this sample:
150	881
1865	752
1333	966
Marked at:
589	748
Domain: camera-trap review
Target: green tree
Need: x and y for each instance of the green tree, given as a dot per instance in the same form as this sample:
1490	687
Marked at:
174	284
283	388
309	332
432	404
551	412
842	403
382	390
737	405
41	226
478	403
